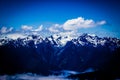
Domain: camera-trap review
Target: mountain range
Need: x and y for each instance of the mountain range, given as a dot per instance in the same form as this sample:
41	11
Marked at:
36	54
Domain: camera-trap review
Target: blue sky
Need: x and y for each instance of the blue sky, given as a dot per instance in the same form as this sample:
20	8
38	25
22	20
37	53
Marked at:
15	13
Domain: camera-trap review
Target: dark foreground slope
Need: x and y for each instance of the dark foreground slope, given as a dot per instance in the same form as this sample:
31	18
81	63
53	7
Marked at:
110	70
42	56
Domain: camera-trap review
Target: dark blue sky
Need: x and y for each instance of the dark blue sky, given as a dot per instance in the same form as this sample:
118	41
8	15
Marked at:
14	13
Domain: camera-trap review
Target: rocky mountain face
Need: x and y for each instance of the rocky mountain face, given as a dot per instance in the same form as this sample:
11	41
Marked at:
43	55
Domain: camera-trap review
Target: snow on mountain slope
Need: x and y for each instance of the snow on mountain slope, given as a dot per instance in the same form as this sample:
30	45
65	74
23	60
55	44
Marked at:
60	40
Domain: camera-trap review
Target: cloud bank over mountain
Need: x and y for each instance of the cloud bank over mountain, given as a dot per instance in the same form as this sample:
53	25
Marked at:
70	26
5	30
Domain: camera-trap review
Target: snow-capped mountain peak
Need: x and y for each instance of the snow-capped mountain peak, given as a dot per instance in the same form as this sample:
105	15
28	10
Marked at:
58	40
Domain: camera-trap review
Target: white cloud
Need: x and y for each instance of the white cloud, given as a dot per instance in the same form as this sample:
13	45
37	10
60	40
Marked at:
101	23
70	27
80	22
16	35
6	30
25	27
40	28
68	33
30	76
10	29
55	28
30	28
72	33
51	29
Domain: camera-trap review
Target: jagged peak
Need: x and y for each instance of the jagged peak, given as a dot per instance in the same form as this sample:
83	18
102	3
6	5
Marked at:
58	40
